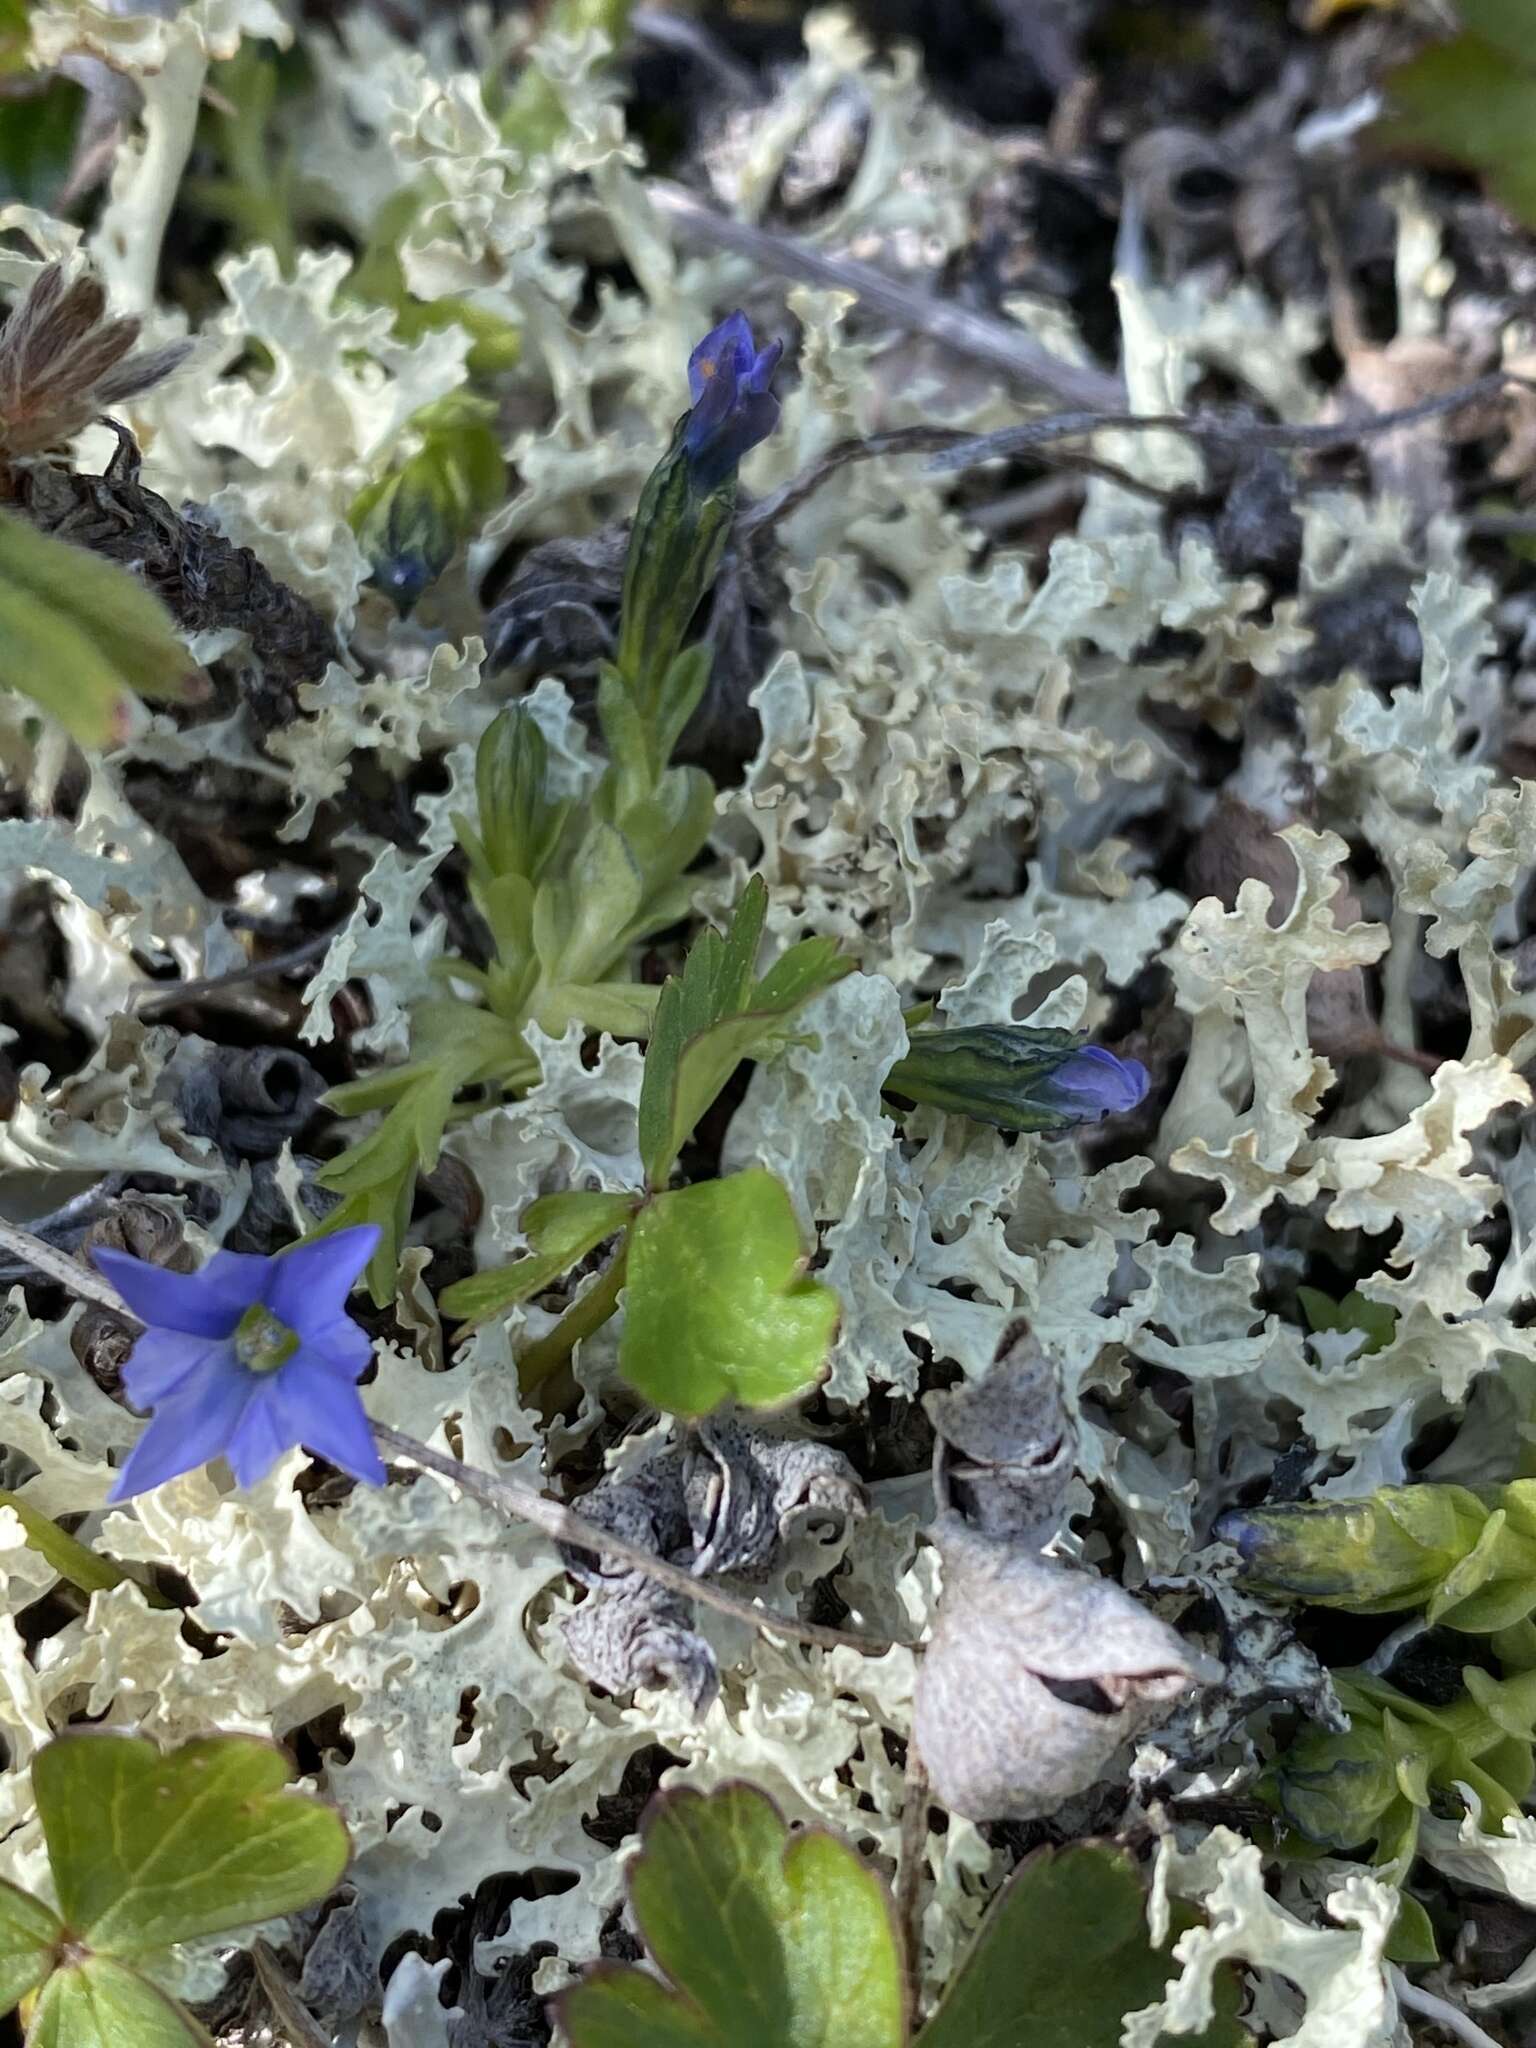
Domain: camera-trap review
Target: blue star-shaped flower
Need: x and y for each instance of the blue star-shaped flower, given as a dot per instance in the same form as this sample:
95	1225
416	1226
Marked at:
246	1358
733	408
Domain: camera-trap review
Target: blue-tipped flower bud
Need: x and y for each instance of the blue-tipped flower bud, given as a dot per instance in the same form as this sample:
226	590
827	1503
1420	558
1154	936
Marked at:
733	408
1017	1076
684	516
411	522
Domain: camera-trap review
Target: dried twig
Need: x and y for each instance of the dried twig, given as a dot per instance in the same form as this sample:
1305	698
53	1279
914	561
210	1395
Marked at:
1236	428
294	2021
977	335
55	1265
767	512
910	1870
157	995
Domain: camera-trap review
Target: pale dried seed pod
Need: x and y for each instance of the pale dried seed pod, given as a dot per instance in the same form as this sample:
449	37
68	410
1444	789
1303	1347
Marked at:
1035	1675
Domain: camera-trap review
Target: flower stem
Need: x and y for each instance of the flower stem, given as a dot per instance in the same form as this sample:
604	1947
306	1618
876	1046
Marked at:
564	1525
586	1315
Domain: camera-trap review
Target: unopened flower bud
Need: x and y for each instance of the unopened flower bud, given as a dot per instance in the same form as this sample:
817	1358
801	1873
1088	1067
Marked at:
1019	1077
684	516
411	523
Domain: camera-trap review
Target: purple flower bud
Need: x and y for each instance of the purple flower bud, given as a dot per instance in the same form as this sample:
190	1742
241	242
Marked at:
733	408
1094	1083
246	1358
1020	1077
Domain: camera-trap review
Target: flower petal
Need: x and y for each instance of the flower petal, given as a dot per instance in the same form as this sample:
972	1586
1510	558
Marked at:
185	1433
341	1347
260	1437
1095	1083
307	1287
207	1303
330	1421
162	1361
721	356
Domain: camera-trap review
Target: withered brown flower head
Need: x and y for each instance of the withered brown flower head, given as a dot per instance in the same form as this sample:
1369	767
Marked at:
62	363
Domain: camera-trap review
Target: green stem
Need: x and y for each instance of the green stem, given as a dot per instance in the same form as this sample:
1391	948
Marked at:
84	1568
586	1314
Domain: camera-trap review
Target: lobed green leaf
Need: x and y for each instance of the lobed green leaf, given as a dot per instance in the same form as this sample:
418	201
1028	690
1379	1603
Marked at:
149	1849
718	1307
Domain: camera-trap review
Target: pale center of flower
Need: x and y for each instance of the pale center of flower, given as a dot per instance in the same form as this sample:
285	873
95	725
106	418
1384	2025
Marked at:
262	1343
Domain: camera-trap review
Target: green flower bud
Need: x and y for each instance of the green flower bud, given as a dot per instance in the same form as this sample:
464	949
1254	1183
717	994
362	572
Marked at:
1369	1784
412	522
1018	1077
675	547
1468	1558
520	821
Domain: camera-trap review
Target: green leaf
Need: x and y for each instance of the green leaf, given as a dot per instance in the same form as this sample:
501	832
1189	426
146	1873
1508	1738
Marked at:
101	2003
718	1307
150	1849
769	1939
29	1934
1472	100
562	1229
1412	1939
37	135
69	1558
713	1016
458	1046
579	919
81	636
1376	1319
1062	1956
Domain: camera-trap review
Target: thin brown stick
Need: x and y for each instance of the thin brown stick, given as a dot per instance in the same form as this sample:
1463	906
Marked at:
910	1870
1232	427
564	1525
46	1259
767	512
294	2021
160	995
1003	347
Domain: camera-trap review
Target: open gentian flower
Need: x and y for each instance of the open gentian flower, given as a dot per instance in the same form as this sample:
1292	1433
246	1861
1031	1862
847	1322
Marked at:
733	408
1019	1077
246	1358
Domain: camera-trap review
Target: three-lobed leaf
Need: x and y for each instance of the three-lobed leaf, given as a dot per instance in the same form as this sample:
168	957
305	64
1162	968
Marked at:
718	1306
1062	1956
768	1939
150	1849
